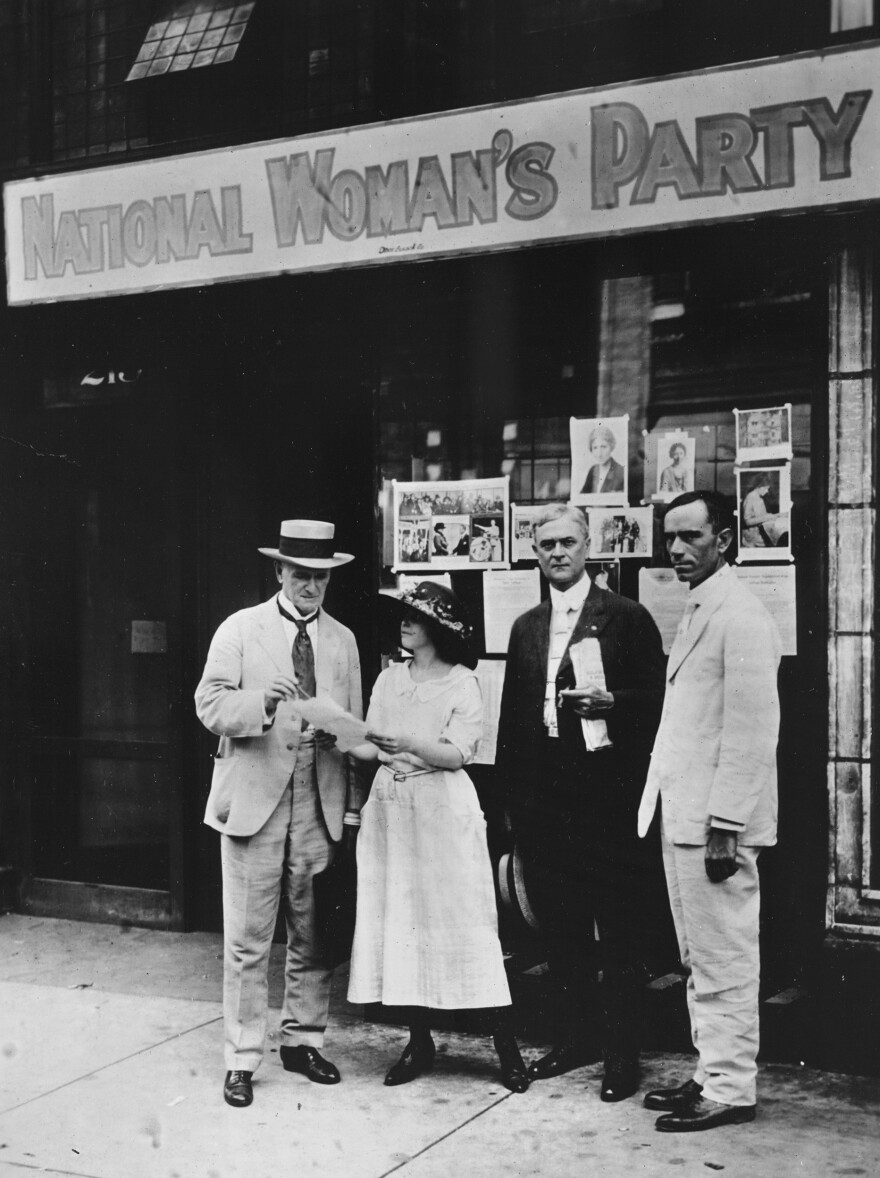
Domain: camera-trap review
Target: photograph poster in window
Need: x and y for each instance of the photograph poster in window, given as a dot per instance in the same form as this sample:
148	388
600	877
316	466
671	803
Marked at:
599	460
676	455
522	517
763	496
617	532
451	525
763	434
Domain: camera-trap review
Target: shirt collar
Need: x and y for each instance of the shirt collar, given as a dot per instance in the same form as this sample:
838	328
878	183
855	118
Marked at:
712	587
573	597
291	608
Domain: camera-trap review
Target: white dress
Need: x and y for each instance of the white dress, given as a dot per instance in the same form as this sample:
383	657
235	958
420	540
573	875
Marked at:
427	925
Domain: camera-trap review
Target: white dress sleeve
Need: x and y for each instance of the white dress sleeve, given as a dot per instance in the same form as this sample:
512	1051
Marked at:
464	726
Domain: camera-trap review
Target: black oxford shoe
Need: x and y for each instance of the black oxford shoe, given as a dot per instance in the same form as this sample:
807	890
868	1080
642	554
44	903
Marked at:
309	1062
621	1079
237	1089
513	1070
417	1058
560	1060
705	1114
671	1100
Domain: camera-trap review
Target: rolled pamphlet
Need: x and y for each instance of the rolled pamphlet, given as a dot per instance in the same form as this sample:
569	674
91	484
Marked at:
586	659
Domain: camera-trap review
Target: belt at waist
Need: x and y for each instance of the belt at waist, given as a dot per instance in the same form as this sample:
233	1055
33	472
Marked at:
398	775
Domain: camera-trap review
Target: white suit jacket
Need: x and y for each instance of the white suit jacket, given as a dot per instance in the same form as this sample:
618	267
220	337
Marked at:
253	764
715	751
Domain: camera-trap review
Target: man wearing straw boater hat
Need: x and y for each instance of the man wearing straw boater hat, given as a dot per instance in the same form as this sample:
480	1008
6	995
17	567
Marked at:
281	796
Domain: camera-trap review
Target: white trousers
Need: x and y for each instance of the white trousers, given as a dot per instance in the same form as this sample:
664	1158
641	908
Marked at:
717	929
279	860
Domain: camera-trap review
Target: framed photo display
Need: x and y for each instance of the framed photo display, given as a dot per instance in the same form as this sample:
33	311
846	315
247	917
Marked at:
763	434
620	532
599	460
451	525
763	496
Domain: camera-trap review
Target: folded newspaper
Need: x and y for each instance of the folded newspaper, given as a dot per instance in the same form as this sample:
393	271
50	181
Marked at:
586	659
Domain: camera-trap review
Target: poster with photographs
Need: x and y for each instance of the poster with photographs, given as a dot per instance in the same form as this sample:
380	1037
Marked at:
616	533
451	525
676	461
599	460
522	519
763	434
763	497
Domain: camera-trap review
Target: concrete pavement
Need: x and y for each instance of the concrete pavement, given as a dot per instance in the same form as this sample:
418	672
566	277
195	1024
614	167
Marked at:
111	1067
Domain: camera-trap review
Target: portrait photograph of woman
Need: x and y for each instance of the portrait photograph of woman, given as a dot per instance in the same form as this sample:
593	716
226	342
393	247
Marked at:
675	465
599	460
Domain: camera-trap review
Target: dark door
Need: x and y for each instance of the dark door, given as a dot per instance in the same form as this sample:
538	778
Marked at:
102	749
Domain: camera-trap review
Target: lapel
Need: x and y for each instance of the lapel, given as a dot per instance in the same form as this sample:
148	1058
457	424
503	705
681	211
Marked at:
541	639
592	621
683	645
271	636
328	644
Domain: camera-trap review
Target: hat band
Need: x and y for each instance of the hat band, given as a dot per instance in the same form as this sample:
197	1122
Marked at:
293	547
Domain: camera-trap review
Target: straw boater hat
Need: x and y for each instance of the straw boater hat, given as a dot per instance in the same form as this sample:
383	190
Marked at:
308	542
440	606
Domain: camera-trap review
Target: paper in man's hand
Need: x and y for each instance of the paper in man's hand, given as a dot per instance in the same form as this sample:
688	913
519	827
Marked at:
586	659
326	714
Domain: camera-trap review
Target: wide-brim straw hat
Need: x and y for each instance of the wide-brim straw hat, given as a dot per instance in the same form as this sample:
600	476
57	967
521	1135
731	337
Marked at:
512	890
441	607
308	542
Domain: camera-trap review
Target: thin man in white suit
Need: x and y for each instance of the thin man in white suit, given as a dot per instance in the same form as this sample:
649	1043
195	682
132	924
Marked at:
714	770
281	797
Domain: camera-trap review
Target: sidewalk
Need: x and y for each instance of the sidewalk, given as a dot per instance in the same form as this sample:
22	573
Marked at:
111	1067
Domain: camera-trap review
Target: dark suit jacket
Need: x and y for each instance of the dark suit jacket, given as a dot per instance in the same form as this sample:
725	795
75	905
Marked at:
614	482
599	790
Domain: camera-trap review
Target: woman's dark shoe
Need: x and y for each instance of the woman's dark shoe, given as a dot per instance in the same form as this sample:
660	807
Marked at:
237	1089
417	1058
513	1070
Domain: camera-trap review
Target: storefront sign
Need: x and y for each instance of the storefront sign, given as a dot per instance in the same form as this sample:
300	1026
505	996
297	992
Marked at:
766	137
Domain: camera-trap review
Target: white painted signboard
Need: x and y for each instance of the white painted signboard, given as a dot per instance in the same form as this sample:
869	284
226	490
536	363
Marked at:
772	136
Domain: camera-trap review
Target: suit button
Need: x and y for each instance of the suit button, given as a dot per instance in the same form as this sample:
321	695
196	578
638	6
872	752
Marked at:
290	747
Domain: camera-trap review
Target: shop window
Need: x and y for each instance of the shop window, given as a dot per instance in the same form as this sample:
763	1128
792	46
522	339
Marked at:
14	83
190	34
93	42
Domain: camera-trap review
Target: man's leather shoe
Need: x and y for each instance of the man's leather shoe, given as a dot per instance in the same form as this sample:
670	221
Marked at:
310	1063
705	1114
621	1079
671	1100
564	1058
417	1058
237	1089
513	1070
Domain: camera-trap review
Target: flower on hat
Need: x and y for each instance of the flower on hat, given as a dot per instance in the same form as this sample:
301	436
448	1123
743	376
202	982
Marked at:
445	613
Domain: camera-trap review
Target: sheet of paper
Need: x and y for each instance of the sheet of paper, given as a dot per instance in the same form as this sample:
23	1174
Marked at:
775	587
664	597
326	714
586	659
405	582
506	595
490	673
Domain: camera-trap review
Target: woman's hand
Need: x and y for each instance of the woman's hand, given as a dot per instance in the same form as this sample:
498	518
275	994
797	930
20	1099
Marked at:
392	745
324	740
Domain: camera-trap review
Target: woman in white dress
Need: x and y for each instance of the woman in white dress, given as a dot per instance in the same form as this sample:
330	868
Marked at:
426	935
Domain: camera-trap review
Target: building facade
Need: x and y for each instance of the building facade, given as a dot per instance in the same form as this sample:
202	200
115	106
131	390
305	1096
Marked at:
478	224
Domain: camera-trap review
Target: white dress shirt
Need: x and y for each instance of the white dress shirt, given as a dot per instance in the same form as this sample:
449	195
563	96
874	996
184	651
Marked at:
565	610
